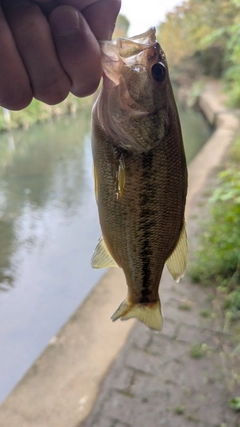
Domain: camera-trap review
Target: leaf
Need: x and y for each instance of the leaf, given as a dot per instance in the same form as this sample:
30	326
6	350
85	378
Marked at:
213	36
235	403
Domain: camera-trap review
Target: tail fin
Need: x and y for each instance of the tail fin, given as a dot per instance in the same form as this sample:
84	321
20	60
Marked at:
150	314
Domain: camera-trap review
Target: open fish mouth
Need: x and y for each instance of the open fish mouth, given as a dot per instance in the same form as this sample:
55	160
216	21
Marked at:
126	52
130	91
128	47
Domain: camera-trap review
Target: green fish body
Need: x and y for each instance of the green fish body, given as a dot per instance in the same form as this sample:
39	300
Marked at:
140	174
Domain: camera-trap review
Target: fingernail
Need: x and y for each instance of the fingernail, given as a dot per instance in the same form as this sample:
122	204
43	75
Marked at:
65	20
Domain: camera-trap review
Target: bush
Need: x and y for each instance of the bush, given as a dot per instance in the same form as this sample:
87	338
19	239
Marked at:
217	261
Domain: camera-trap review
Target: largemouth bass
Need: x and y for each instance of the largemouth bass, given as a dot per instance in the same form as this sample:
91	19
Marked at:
140	173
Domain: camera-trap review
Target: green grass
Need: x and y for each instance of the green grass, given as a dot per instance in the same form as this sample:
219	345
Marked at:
197	351
235	403
217	261
185	306
179	410
205	313
40	112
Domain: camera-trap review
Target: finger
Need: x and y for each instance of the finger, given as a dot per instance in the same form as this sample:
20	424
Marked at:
77	48
100	14
48	5
101	17
33	38
15	89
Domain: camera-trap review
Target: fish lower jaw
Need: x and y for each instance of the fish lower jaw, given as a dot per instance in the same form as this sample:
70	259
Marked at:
149	314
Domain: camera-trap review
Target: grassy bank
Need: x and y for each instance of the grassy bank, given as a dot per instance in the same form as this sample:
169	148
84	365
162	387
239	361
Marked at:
217	261
39	112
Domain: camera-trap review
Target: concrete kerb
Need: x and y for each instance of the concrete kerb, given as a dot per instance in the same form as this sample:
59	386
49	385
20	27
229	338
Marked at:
61	386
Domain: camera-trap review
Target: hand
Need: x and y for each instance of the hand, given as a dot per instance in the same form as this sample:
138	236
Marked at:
49	48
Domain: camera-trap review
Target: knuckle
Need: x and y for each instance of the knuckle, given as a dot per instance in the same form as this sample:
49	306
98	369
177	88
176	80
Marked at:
50	98
52	93
84	90
17	100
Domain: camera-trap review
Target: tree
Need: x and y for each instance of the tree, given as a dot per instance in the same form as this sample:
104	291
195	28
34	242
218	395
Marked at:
122	26
209	32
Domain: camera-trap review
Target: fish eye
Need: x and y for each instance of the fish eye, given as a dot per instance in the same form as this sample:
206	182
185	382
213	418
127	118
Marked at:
159	72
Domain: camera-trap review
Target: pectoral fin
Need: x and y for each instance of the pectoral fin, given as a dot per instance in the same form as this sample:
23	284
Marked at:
120	179
101	257
177	261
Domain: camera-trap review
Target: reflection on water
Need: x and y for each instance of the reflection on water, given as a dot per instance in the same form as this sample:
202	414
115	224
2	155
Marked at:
195	130
42	173
48	231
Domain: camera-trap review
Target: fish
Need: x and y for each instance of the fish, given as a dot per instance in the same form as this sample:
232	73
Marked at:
140	173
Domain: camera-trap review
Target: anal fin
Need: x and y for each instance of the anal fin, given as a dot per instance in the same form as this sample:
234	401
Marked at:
101	257
177	261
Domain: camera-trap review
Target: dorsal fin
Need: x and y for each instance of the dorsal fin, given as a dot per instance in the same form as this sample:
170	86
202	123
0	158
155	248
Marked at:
101	257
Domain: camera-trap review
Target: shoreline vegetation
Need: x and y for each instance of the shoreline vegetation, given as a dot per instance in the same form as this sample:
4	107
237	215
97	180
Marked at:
38	112
201	41
215	262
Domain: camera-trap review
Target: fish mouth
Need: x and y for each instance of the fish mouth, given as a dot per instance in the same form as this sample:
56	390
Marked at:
127	47
126	63
148	37
123	53
126	52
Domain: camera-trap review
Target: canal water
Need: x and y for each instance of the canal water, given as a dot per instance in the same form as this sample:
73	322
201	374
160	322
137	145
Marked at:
48	232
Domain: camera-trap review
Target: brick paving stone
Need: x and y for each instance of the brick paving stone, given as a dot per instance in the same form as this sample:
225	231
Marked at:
169	328
119	407
141	360
147	388
119	424
103	422
141	336
172	311
166	348
155	419
231	418
192	334
123	379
